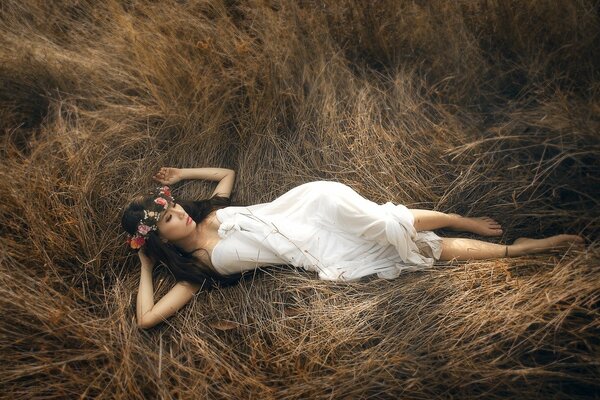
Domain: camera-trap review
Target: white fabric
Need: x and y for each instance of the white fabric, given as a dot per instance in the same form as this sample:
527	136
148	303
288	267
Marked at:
326	227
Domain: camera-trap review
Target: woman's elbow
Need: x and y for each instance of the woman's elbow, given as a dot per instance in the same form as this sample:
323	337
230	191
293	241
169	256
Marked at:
145	323
143	326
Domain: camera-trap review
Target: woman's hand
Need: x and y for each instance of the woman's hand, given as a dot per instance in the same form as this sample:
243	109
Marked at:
146	261
168	175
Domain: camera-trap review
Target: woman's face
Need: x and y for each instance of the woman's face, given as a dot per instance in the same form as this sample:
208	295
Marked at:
175	224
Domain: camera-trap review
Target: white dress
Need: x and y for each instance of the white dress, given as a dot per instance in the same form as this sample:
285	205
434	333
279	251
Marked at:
326	227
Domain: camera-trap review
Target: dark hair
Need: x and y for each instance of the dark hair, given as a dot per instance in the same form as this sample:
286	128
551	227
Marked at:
183	265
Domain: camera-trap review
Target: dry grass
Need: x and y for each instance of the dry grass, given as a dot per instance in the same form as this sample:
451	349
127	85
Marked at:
482	108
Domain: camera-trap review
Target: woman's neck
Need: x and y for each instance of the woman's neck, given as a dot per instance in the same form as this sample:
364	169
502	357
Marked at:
191	241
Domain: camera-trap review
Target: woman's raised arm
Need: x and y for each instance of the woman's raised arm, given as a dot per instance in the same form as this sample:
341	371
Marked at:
149	314
225	176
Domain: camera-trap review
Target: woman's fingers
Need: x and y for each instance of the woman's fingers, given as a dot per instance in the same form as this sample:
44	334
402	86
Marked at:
162	181
165	175
161	175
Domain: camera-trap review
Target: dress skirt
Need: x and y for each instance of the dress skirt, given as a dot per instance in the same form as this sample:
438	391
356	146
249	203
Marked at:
326	227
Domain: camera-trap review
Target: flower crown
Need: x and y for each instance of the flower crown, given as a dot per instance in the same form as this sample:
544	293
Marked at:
151	218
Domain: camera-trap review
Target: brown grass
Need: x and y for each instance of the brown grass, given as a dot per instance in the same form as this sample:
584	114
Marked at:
481	108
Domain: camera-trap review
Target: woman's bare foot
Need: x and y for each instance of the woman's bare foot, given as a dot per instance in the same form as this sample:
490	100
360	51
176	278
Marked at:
484	226
528	246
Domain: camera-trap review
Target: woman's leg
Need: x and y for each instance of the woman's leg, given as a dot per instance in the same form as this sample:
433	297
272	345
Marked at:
427	220
471	249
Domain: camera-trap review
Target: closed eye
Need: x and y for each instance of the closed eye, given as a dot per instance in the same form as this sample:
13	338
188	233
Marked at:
173	205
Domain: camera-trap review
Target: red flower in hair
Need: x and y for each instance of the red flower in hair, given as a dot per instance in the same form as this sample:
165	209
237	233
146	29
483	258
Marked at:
136	242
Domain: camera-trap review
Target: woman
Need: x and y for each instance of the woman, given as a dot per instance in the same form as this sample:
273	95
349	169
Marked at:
321	226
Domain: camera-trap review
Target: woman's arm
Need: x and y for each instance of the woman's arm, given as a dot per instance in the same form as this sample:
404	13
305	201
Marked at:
211	174
149	314
225	176
145	296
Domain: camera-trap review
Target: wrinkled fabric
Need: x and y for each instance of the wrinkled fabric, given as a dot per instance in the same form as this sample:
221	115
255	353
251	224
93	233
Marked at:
326	227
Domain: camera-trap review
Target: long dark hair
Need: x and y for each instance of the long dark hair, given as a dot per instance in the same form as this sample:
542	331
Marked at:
181	264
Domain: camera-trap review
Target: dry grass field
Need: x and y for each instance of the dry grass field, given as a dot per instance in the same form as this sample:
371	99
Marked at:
486	107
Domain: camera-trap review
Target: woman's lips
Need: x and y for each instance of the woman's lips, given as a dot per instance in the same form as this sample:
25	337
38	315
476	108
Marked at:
189	220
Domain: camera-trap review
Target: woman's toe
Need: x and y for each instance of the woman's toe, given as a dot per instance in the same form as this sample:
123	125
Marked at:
578	239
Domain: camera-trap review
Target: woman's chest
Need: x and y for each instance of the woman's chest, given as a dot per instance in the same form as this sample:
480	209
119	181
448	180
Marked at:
209	238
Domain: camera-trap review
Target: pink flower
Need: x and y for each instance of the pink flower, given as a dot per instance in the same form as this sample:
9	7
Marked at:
166	190
161	201
143	229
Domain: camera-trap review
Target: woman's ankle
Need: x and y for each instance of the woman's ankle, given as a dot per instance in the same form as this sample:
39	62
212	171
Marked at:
456	222
515	250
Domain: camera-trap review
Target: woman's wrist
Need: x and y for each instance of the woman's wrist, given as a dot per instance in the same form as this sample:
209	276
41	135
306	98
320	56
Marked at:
147	266
184	173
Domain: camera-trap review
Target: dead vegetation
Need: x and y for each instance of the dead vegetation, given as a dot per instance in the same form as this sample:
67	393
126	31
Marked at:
481	108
